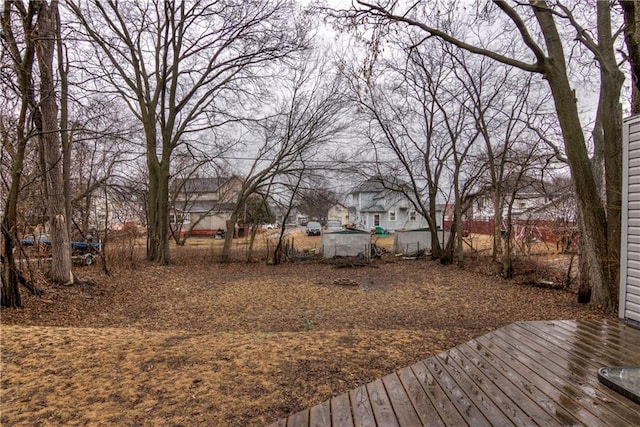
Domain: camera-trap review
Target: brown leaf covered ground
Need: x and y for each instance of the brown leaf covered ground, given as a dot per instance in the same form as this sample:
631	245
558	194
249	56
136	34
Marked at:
204	343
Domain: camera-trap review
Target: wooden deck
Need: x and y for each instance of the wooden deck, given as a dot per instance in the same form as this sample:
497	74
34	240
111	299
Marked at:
527	373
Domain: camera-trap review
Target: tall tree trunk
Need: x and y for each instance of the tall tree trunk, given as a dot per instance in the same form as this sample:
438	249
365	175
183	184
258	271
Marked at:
584	286
631	10
228	238
507	253
10	296
63	71
594	233
458	249
23	65
610	109
60	271
436	247
496	199
158	212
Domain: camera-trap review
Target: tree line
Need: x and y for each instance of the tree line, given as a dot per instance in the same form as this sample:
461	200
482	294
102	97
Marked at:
116	100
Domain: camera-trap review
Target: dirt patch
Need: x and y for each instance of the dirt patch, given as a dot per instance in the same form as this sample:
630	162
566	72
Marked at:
202	343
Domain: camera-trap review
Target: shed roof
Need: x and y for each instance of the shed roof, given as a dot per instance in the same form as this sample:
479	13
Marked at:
348	231
408	230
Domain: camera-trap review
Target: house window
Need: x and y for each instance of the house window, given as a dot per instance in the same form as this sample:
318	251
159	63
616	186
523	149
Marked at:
178	219
412	215
392	215
376	220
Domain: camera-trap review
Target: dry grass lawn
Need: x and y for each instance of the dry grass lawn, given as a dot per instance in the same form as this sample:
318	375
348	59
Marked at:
210	344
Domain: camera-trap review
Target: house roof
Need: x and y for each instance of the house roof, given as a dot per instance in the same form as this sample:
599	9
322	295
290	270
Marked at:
546	208
532	187
338	205
373	208
198	185
204	206
377	184
368	186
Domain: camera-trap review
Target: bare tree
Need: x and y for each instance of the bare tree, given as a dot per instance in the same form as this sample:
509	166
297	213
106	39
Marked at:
181	67
315	201
395	99
37	118
501	106
518	170
308	116
19	57
536	26
462	137
422	128
49	138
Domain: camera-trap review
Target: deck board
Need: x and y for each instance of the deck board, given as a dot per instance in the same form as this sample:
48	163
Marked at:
361	408
526	373
558	372
422	405
535	404
581	346
400	401
299	420
443	404
381	404
487	409
537	376
341	411
492	388
320	415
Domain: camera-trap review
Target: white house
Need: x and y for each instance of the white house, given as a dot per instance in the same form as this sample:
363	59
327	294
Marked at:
339	212
371	205
534	199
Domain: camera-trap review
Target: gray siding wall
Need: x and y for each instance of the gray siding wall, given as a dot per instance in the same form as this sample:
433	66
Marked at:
630	253
345	244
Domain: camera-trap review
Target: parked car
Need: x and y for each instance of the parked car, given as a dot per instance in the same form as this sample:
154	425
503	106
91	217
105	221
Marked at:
333	225
314	228
85	252
36	239
83	247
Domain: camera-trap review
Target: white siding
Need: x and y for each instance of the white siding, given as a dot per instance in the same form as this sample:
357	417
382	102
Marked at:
630	254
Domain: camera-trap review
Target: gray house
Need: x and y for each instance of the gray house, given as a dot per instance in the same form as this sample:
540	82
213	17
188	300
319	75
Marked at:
630	253
373	204
203	205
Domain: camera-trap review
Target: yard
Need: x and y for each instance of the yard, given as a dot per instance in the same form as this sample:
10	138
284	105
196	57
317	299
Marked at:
204	343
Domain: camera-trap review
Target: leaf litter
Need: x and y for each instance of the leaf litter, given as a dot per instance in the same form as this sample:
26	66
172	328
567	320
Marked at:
202	343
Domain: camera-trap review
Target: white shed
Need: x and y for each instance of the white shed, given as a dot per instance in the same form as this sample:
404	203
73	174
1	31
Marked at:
410	242
346	243
630	245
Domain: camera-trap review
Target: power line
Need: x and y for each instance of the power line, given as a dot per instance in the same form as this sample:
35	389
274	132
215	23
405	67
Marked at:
355	162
